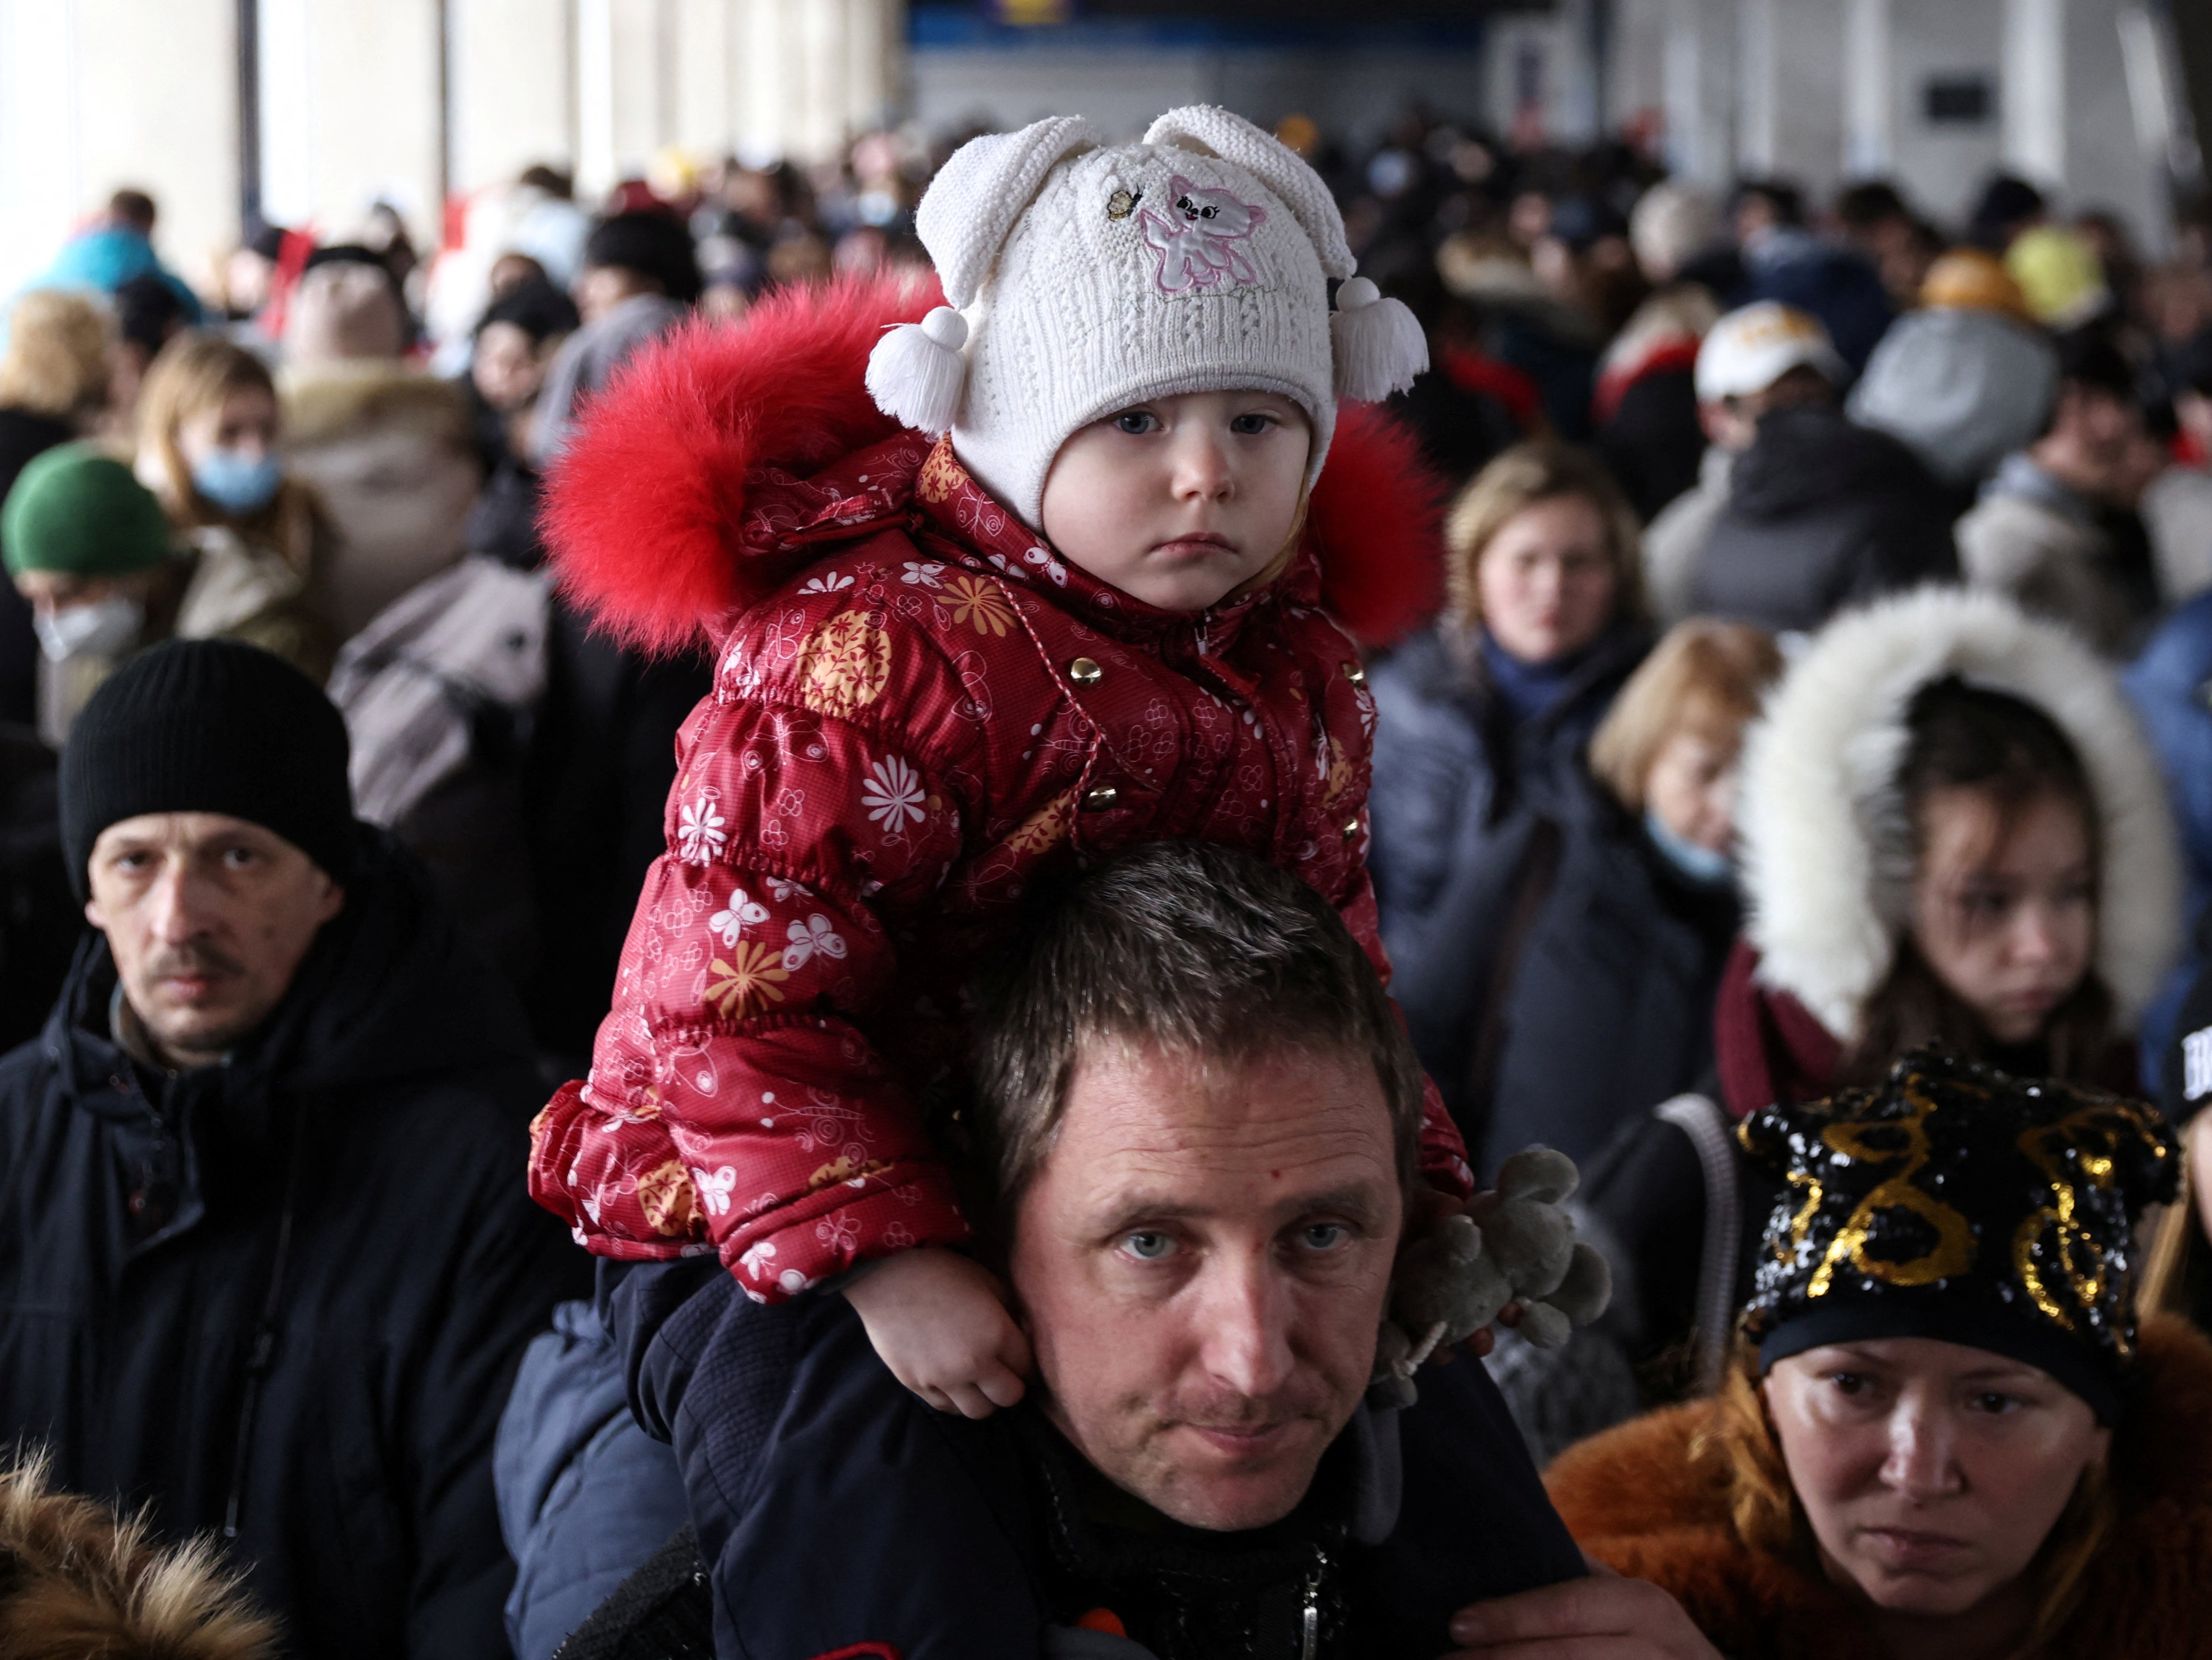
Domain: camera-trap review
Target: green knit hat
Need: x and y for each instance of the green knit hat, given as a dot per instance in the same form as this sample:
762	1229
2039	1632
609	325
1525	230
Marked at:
77	511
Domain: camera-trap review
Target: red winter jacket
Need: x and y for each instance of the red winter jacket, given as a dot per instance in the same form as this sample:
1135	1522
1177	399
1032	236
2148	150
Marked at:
918	711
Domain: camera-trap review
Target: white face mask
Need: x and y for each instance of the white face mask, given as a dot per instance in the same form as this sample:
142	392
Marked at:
105	628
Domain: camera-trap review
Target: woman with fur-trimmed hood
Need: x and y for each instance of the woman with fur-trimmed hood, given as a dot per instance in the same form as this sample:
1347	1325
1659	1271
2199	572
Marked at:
1951	830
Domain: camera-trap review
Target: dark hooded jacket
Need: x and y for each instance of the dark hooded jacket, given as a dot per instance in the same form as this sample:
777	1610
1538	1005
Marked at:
287	1291
1822	514
1479	820
25	435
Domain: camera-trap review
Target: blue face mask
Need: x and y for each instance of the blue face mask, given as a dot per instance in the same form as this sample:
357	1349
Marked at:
238	483
1698	865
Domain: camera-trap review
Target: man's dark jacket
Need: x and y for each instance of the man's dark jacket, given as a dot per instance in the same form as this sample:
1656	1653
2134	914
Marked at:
291	1288
838	1515
1822	514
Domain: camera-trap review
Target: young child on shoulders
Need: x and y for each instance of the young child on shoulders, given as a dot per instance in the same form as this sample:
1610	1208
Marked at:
1013	586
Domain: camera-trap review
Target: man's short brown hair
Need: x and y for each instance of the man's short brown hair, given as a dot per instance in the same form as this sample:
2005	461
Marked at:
1197	950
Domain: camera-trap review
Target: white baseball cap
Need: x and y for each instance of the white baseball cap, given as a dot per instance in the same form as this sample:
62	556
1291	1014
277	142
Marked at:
1751	348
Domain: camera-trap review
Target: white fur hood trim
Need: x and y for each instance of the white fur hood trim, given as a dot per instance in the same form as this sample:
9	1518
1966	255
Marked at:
1823	827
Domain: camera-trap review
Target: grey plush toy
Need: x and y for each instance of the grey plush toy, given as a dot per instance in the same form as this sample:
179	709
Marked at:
1513	1243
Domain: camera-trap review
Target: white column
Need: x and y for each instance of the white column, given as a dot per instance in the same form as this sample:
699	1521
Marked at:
349	113
595	96
1700	90
875	39
42	183
812	73
705	117
1758	139
764	42
1868	143
823	70
288	125
513	101
2035	91
1636	79
1574	116
643	62
158	108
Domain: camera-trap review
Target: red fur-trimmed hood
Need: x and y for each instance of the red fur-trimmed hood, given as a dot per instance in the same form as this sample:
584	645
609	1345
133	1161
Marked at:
642	510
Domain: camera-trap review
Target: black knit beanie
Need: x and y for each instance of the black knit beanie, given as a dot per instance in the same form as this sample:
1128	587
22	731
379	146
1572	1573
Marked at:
655	244
210	726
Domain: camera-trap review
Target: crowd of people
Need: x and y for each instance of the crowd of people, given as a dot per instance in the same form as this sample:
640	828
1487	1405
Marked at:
867	742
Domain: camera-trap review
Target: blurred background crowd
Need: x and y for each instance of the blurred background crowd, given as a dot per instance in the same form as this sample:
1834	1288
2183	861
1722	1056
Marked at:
1683	423
335	450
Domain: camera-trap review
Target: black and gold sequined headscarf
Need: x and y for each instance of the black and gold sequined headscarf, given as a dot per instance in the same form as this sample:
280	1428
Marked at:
1958	1202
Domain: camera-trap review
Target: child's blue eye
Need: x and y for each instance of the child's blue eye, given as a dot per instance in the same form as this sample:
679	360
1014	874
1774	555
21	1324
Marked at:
1251	426
1136	422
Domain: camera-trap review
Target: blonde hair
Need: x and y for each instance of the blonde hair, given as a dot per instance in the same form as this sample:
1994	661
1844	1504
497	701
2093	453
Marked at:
2179	1262
1737	1448
58	350
1540	470
1705	677
194	372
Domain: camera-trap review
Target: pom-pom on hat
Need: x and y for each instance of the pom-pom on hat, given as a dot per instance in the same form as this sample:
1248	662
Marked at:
1958	1202
1082	279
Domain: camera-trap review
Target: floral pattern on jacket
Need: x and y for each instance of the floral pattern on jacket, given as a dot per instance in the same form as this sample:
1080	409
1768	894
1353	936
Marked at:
932	716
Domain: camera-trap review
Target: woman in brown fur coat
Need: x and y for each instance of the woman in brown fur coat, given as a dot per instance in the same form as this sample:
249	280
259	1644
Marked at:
1944	1435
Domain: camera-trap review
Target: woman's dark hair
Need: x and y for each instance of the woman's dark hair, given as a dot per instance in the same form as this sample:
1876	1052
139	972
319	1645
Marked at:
1968	737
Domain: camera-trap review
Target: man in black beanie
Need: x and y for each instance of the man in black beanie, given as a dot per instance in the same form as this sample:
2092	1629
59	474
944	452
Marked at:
640	280
266	1259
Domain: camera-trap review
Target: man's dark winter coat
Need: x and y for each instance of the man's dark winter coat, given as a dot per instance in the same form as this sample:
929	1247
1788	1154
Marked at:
1822	513
289	1290
1477	819
837	1514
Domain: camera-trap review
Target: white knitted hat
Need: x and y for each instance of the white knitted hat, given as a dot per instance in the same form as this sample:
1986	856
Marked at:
1082	280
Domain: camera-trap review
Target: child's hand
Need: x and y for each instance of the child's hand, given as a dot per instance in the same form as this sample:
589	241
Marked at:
939	1321
1423	1216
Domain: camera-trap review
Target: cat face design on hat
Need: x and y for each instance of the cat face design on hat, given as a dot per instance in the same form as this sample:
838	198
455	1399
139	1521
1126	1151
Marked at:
1195	244
1083	279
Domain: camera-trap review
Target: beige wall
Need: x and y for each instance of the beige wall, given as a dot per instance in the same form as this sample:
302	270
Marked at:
350	111
1826	90
761	78
95	93
513	87
98	93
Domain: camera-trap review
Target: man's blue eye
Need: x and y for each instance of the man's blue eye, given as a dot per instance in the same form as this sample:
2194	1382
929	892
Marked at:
1325	1236
1148	1247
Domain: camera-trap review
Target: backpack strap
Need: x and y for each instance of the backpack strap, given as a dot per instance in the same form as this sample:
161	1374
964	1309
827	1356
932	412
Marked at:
1700	1118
